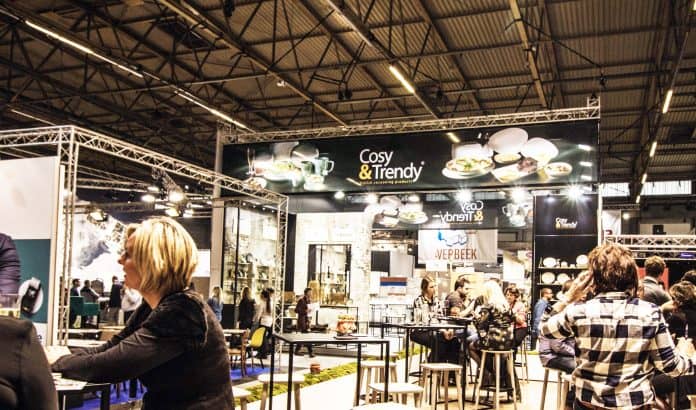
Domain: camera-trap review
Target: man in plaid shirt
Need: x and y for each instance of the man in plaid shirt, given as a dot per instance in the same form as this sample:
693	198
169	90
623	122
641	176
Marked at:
620	339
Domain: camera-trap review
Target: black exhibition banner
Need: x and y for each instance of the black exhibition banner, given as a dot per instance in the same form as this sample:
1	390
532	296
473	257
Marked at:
563	215
554	153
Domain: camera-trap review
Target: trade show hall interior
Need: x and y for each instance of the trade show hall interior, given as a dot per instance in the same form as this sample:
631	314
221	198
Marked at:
355	204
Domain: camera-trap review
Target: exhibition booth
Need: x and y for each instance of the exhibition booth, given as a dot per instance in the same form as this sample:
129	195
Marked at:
373	209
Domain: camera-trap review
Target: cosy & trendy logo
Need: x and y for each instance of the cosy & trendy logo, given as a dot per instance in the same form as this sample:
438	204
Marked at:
377	168
564	224
471	212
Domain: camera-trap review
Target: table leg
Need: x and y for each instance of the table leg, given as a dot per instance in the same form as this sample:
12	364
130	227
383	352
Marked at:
386	373
466	359
105	400
270	384
291	354
408	344
433	337
357	383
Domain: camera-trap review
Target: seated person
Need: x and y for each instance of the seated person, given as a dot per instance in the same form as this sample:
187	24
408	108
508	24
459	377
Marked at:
447	344
458	298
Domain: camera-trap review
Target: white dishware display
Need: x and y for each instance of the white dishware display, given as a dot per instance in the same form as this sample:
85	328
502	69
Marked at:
562	278
508	141
548	278
549	262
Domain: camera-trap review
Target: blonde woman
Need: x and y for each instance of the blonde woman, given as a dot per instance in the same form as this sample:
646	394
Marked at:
173	343
494	321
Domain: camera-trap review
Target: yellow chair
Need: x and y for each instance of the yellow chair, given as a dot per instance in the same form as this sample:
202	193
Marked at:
256	343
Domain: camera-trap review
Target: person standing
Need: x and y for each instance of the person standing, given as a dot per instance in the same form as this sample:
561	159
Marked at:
114	300
265	319
89	296
303	318
129	302
545	295
74	291
9	265
215	303
512	294
653	290
247	309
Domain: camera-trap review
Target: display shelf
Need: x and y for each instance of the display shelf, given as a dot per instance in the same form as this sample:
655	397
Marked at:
568	268
549	284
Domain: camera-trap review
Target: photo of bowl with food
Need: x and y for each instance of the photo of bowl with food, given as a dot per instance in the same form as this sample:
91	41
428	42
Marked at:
558	169
468	167
413	217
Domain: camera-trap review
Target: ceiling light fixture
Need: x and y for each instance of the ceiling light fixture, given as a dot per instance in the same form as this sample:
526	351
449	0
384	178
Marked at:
153	188
339	195
645	178
465	195
176	195
653	148
413	198
638	199
584	147
81	48
189	97
574	192
149	198
399	76
24	114
453	138
668	99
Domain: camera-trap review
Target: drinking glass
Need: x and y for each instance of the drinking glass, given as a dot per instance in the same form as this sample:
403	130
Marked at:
9	305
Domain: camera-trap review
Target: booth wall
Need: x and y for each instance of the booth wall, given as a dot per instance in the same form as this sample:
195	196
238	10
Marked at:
29	206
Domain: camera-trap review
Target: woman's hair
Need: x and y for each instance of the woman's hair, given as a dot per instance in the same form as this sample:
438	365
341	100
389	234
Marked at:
164	254
493	295
425	284
513	291
690	276
246	293
683	293
265	295
613	269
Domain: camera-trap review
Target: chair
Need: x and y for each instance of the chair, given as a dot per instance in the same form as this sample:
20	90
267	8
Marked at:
240	352
439	373
80	308
242	395
255	343
507	354
366	367
281	378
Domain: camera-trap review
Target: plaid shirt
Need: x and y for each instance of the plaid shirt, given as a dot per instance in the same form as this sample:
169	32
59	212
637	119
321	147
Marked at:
620	342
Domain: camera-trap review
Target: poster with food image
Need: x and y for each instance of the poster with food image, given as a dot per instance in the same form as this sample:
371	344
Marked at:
554	153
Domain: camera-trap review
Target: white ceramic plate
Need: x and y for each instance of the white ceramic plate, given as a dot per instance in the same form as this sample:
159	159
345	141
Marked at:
506	158
549	262
508	141
581	261
548	278
562	278
558	169
470	151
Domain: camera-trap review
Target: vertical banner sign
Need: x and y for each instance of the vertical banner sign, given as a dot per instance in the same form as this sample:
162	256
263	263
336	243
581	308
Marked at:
457	246
29	202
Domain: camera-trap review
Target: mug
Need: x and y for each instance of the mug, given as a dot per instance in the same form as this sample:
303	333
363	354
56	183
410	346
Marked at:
323	165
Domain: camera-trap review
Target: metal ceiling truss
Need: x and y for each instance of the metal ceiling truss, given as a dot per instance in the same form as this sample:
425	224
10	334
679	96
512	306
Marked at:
591	111
69	140
115	185
667	246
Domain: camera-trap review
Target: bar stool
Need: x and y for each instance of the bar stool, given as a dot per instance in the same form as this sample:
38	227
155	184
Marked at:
558	387
398	390
522	355
497	354
281	378
441	371
384	406
242	395
566	381
366	367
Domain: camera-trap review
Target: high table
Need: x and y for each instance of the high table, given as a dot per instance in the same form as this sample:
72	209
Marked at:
104	400
433	328
294	339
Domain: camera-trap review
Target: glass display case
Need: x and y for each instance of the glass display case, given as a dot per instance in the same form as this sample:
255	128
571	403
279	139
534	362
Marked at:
249	250
329	272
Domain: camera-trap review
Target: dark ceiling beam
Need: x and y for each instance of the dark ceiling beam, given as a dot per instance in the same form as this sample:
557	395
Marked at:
215	32
343	45
553	56
529	52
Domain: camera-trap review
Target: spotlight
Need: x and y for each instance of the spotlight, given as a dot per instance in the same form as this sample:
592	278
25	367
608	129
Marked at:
626	216
176	195
574	192
518	195
603	81
228	8
153	188
131	197
464	196
584	147
339	195
413	198
149	198
172	212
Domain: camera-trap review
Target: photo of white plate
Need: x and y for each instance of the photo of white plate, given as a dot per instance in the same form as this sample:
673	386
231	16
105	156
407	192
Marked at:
506	158
558	169
548	278
471	151
540	149
413	217
549	262
562	278
508	141
581	261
